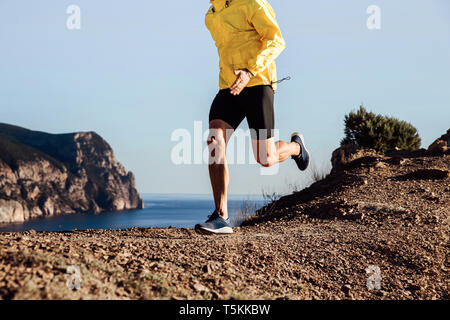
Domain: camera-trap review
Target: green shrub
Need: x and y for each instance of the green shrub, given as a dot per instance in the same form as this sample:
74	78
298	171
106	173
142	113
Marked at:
378	132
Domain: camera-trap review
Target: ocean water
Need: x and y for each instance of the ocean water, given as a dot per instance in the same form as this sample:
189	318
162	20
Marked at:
161	210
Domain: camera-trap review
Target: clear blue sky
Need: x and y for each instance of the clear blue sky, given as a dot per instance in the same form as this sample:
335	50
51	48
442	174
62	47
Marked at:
137	70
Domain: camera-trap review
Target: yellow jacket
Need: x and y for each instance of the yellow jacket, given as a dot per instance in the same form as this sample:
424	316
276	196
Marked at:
247	36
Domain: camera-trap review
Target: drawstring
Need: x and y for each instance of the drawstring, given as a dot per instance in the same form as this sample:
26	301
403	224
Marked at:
284	79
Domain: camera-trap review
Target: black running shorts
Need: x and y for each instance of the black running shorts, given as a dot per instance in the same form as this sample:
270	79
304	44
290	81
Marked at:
254	103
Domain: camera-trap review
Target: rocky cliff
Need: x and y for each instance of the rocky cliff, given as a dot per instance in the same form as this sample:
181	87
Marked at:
45	174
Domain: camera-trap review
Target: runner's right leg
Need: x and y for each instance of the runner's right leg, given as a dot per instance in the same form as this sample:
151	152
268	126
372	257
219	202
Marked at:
220	133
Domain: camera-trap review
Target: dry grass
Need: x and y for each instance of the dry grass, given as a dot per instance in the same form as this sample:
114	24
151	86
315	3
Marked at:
246	211
312	175
319	173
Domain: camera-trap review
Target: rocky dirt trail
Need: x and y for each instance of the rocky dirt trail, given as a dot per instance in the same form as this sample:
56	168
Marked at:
390	211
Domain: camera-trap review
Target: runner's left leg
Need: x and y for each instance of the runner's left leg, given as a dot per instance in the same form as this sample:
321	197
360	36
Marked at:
268	152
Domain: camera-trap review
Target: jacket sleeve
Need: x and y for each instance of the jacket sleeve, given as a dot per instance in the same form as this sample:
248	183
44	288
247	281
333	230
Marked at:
272	42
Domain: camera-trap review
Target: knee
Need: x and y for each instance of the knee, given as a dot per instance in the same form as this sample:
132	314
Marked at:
267	163
265	152
217	147
216	142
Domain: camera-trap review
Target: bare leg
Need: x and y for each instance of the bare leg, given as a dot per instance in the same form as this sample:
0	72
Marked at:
286	150
218	166
268	152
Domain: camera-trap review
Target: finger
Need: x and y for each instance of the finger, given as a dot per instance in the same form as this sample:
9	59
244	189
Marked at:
235	84
239	81
238	90
238	78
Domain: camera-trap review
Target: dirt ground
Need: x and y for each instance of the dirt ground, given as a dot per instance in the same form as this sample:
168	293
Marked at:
388	211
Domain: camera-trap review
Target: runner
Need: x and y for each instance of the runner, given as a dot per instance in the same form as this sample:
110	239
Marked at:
248	40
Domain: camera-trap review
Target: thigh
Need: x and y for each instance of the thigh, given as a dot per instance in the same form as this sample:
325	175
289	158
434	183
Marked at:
227	108
259	110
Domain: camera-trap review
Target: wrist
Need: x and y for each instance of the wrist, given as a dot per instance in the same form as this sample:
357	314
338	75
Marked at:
249	73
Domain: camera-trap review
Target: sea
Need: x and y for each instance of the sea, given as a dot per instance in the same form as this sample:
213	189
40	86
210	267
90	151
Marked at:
161	211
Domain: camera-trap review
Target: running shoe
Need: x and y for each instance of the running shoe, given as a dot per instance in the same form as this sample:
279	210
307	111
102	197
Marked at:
302	160
214	225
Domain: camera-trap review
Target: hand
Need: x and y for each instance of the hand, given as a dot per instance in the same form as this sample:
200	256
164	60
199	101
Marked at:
243	78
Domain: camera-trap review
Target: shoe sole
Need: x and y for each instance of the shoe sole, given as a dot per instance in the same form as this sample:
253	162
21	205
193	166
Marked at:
303	146
224	230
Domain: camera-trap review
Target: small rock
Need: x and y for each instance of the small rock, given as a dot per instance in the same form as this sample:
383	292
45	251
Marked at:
413	287
207	269
380	165
200	288
398	161
380	293
398	283
346	289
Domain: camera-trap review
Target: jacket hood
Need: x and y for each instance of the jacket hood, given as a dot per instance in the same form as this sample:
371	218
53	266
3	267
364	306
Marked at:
219	5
